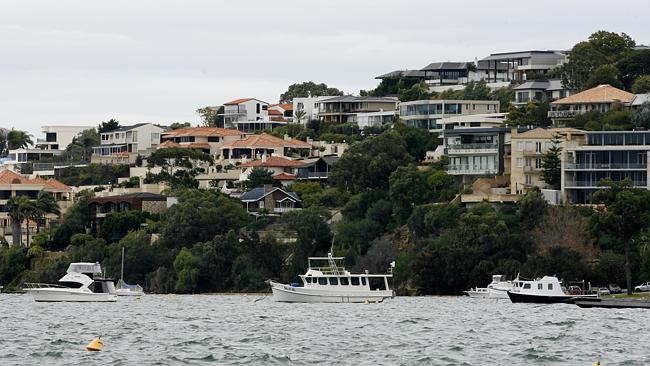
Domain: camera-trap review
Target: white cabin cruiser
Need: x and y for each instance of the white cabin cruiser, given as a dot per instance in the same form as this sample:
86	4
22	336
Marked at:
545	290
334	284
499	287
478	292
82	282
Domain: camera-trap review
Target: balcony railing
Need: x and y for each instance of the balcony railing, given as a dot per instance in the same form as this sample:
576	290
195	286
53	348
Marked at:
491	148
285	209
595	184
307	175
468	169
565	114
588	166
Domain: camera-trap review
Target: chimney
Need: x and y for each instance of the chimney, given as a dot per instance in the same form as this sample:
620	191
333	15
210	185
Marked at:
286	137
268	188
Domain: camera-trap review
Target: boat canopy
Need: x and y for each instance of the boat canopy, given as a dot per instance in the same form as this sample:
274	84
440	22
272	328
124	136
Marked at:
84	267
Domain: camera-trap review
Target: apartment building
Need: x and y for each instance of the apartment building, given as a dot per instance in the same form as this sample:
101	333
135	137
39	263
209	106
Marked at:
528	151
121	146
616	155
376	119
475	152
344	109
426	114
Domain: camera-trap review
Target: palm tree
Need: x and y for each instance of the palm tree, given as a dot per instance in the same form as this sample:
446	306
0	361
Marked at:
44	204
17	139
20	208
299	115
3	141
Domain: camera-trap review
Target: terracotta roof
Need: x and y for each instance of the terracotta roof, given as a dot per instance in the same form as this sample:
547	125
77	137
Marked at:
169	143
601	94
272	161
202	131
284	176
9	177
56	184
266	140
275	112
286	106
198	145
242	100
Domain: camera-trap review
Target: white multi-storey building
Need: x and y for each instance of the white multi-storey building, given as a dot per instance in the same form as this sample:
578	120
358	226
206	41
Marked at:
125	143
59	137
427	113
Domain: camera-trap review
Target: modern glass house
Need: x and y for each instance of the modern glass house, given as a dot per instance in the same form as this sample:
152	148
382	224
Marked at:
617	155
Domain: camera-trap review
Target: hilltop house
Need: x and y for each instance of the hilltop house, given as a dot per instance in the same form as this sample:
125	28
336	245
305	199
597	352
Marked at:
255	146
281	112
270	199
309	105
282	168
426	113
601	98
519	64
12	184
121	146
207	139
344	109
248	115
539	91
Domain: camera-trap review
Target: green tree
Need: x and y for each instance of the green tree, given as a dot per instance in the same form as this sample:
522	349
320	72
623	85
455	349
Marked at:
408	187
505	96
313	237
212	212
117	224
532	207
73	221
612	45
45	204
177	125
641	85
187	271
641	116
477	90
13	261
307	88
582	60
604	74
552	164
259	177
17	139
368	164
417	91
211	116
107	126
299	115
20	208
627	214
634	65
81	147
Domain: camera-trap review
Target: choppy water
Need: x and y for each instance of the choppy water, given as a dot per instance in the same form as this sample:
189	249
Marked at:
235	330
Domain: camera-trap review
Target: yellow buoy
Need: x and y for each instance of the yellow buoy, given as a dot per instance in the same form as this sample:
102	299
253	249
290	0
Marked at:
597	363
95	345
366	302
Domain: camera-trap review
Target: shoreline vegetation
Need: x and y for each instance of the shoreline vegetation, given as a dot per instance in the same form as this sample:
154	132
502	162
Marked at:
380	204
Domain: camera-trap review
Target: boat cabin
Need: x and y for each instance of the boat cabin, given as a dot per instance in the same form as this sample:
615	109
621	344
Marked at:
547	286
331	274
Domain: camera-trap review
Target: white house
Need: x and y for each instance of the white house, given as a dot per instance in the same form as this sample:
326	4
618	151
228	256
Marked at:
427	113
248	115
121	146
59	137
309	105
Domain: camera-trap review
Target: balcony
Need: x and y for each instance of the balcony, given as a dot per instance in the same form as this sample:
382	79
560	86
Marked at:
473	149
285	209
577	184
532	152
532	169
467	169
611	166
312	175
564	114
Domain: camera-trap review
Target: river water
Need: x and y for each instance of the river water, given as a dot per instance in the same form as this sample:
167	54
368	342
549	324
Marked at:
237	330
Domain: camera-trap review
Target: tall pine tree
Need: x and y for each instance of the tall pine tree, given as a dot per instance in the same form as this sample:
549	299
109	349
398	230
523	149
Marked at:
552	164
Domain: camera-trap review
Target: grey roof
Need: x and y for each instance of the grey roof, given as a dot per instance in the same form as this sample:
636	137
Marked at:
640	99
533	85
518	54
128	128
445	66
416	74
329	160
257	194
555	84
351	98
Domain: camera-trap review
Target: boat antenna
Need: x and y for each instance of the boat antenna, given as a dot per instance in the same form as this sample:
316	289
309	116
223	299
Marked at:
122	271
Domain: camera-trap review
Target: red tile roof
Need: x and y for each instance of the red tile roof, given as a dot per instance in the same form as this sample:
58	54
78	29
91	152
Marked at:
275	112
284	176
169	143
199	145
266	141
202	131
242	100
287	106
9	177
272	161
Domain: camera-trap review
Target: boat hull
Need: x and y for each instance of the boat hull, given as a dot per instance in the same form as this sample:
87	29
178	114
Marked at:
517	297
496	293
287	293
61	295
119	292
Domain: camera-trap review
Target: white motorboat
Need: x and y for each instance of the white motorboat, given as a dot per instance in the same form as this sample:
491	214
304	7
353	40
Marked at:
332	283
123	288
478	292
499	287
545	290
83	282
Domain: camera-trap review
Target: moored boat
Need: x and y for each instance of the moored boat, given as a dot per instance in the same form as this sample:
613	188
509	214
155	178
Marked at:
499	287
332	283
545	290
83	282
123	288
477	292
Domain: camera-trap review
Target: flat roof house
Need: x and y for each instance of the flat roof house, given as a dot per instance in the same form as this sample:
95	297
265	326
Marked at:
476	152
600	98
344	109
309	105
59	137
121	146
427	113
518	64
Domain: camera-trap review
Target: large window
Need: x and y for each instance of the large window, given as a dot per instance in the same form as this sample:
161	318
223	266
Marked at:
354	281
376	283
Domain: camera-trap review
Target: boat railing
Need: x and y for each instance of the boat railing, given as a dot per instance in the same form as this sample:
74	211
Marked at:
329	270
32	285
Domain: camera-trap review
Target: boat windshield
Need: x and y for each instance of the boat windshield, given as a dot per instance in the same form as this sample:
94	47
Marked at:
70	284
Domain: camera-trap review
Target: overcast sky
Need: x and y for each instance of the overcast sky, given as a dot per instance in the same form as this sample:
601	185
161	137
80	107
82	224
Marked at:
80	62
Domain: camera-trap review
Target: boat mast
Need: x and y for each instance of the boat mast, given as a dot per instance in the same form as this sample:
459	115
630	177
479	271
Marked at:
122	271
